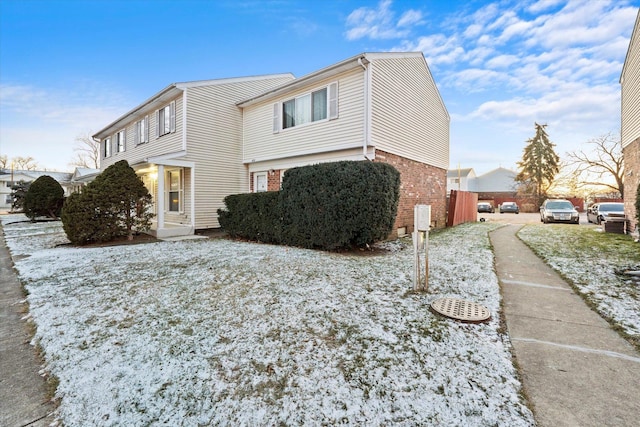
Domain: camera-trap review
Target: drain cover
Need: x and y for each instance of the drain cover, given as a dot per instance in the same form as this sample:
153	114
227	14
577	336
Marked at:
465	311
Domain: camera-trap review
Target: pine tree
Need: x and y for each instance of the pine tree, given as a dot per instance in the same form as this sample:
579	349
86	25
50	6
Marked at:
539	165
115	204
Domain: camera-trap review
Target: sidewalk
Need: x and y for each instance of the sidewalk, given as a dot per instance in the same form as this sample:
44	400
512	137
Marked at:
575	369
22	391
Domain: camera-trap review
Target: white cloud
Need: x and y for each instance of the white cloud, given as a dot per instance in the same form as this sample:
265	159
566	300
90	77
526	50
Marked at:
380	23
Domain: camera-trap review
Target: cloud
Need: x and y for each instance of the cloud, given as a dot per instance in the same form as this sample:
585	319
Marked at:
380	23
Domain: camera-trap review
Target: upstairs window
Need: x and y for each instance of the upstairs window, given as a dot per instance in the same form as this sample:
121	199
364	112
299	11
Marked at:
120	136
310	107
142	131
107	147
166	119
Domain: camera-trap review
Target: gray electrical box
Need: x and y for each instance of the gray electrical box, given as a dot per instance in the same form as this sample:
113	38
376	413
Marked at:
422	218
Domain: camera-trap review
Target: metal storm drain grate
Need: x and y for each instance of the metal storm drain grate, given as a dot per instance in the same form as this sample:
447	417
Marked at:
465	311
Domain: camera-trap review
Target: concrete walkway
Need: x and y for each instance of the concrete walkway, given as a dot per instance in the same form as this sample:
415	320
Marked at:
23	399
575	369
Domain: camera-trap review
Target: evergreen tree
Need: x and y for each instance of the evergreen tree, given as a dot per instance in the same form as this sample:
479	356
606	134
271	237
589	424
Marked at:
123	197
44	197
539	165
115	204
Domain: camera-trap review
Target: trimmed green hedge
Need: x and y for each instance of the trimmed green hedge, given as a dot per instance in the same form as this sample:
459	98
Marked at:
325	206
252	216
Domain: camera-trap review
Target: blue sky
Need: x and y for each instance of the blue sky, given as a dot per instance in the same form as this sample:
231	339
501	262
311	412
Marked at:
71	67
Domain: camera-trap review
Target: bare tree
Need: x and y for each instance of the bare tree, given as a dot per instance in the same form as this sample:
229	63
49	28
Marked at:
87	152
600	164
4	161
24	163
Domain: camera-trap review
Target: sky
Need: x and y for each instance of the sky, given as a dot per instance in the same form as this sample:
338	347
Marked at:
69	67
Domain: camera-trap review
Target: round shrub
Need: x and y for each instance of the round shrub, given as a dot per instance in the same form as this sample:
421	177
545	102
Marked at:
44	197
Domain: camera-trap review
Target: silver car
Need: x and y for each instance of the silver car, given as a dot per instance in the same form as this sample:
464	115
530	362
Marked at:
600	212
559	210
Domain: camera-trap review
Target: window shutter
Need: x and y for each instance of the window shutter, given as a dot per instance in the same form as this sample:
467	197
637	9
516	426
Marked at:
145	133
333	101
173	116
276	117
136	133
157	123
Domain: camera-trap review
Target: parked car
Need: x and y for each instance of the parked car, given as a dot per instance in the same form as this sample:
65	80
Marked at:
509	207
559	210
605	212
485	207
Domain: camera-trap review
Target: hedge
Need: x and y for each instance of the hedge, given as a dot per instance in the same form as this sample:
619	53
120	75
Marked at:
325	206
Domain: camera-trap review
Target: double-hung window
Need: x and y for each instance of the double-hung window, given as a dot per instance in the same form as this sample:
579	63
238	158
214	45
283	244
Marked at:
309	107
107	147
120	136
142	131
166	119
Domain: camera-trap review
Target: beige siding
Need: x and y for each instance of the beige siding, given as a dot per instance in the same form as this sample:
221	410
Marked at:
169	143
631	89
347	131
408	116
214	143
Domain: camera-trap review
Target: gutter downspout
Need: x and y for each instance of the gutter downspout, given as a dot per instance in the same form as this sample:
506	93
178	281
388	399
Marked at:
367	105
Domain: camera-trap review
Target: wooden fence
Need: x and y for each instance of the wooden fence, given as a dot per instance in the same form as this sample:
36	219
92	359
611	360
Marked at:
463	207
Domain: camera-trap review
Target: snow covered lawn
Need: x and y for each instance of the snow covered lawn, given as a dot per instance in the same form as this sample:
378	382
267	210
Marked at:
592	261
217	332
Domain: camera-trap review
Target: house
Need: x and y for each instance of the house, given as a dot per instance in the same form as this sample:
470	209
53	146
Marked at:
9	177
630	129
461	180
185	143
229	136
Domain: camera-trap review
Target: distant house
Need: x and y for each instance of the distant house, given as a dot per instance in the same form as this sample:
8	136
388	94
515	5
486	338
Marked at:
461	180
8	178
195	143
630	131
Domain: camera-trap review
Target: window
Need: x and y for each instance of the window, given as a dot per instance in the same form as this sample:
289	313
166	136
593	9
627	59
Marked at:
120	141
8	199
142	131
307	108
107	147
175	190
166	119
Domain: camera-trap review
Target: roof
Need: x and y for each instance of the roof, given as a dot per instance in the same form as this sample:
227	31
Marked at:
172	91
360	60
58	176
454	173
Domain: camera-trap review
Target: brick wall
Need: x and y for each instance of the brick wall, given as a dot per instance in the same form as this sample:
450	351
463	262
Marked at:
420	184
631	155
273	180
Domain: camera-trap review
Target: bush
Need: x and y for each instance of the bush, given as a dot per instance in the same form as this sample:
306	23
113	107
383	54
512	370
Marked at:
254	216
114	205
325	206
340	204
44	197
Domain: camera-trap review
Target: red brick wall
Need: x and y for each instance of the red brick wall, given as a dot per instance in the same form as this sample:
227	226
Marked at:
273	180
420	184
631	155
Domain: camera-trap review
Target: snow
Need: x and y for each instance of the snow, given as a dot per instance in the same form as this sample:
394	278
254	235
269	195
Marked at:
219	332
589	259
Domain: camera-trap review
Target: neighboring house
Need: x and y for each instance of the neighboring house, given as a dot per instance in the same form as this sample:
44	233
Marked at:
81	177
460	179
237	135
8	178
630	130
